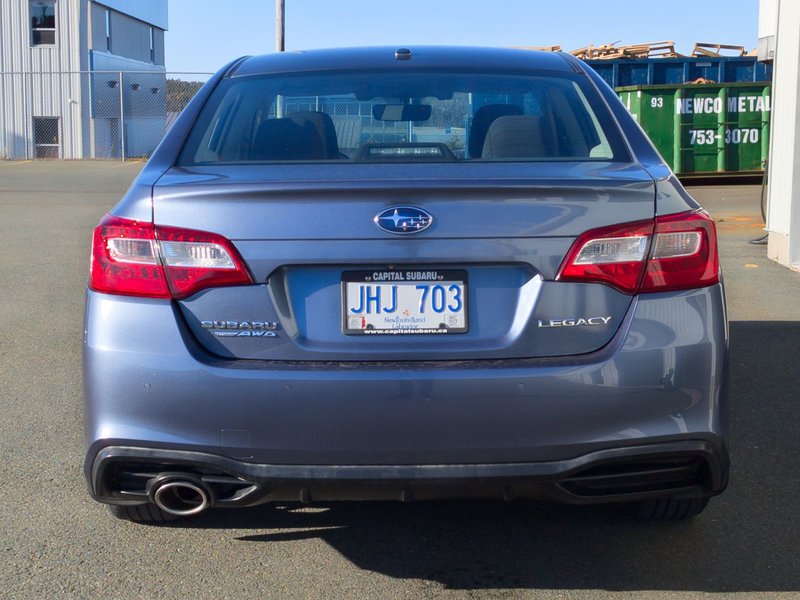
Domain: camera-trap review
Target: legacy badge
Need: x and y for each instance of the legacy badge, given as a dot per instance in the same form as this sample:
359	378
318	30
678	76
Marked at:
575	322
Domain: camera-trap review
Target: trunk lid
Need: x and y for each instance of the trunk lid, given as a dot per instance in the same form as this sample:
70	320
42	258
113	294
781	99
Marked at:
501	228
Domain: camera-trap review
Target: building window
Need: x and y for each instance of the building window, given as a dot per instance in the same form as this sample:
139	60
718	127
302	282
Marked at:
46	137
108	30
152	46
43	22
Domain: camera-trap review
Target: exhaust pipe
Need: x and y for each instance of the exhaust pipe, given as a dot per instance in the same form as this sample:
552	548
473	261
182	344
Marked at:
180	494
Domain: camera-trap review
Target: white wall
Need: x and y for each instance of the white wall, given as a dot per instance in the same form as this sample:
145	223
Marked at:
767	29
783	215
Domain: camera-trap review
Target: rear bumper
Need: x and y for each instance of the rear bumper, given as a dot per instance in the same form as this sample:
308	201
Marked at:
688	469
430	429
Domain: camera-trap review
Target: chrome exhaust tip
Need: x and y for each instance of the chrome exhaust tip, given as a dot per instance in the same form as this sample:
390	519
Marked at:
180	495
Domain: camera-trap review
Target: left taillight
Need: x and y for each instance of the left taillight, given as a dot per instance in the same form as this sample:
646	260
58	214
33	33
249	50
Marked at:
135	258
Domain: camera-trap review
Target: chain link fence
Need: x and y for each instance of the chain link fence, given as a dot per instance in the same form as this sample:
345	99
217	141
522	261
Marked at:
113	115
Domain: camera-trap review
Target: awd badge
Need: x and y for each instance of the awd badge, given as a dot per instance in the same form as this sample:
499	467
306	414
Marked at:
242	328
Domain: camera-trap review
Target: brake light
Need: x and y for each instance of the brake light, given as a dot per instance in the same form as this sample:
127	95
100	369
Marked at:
135	258
672	252
125	260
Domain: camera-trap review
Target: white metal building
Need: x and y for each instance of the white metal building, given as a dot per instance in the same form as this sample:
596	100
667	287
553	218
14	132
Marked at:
779	40
81	78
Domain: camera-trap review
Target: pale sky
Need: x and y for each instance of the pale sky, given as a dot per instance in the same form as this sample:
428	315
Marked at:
205	34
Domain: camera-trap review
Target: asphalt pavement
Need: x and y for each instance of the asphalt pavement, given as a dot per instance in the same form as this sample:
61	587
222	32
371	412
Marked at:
56	542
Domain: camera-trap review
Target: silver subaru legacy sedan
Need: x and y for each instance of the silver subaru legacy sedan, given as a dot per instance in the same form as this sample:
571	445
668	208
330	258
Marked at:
405	274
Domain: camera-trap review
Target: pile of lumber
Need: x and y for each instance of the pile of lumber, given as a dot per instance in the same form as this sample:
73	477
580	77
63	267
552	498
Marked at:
665	49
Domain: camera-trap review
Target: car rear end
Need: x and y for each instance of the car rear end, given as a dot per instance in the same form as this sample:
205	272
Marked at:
369	275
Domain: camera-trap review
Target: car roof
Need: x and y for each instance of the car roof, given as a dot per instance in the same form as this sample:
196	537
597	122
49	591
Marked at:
422	57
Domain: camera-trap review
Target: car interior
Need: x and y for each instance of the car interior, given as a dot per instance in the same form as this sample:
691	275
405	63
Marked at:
403	124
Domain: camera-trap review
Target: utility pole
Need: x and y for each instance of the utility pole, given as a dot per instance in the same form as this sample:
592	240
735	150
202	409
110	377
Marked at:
280	25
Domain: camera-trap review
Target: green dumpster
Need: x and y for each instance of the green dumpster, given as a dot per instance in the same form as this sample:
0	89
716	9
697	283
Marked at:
705	129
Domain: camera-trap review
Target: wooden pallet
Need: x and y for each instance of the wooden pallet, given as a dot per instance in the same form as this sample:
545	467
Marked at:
715	50
541	48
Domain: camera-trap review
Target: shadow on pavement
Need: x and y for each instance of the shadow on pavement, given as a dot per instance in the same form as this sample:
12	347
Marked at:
746	541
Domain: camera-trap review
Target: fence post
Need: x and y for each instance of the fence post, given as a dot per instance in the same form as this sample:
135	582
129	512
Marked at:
121	117
27	118
89	112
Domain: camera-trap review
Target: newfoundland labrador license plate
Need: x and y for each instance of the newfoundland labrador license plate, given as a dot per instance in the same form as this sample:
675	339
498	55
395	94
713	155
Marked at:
404	301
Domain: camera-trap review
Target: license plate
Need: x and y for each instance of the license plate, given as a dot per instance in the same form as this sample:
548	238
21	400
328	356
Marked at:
404	301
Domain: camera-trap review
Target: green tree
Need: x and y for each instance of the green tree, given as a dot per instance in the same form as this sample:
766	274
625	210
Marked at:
179	93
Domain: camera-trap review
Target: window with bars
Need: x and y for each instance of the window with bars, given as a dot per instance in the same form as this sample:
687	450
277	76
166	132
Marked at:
46	137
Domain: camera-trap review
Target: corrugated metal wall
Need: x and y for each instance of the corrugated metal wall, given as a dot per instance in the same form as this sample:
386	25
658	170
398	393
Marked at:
130	37
3	93
25	95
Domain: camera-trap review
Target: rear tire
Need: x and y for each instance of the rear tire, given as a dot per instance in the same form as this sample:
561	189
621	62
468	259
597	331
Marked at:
141	513
670	508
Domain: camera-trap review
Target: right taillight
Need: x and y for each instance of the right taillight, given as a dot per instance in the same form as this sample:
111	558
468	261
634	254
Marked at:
135	258
673	252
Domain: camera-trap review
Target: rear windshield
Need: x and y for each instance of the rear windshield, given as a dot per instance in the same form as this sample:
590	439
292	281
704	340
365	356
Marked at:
403	117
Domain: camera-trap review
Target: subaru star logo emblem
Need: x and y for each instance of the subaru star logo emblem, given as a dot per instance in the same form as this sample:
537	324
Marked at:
403	219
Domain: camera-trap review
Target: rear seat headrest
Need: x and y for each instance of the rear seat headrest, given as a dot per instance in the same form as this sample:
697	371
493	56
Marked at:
284	139
517	136
325	128
481	122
